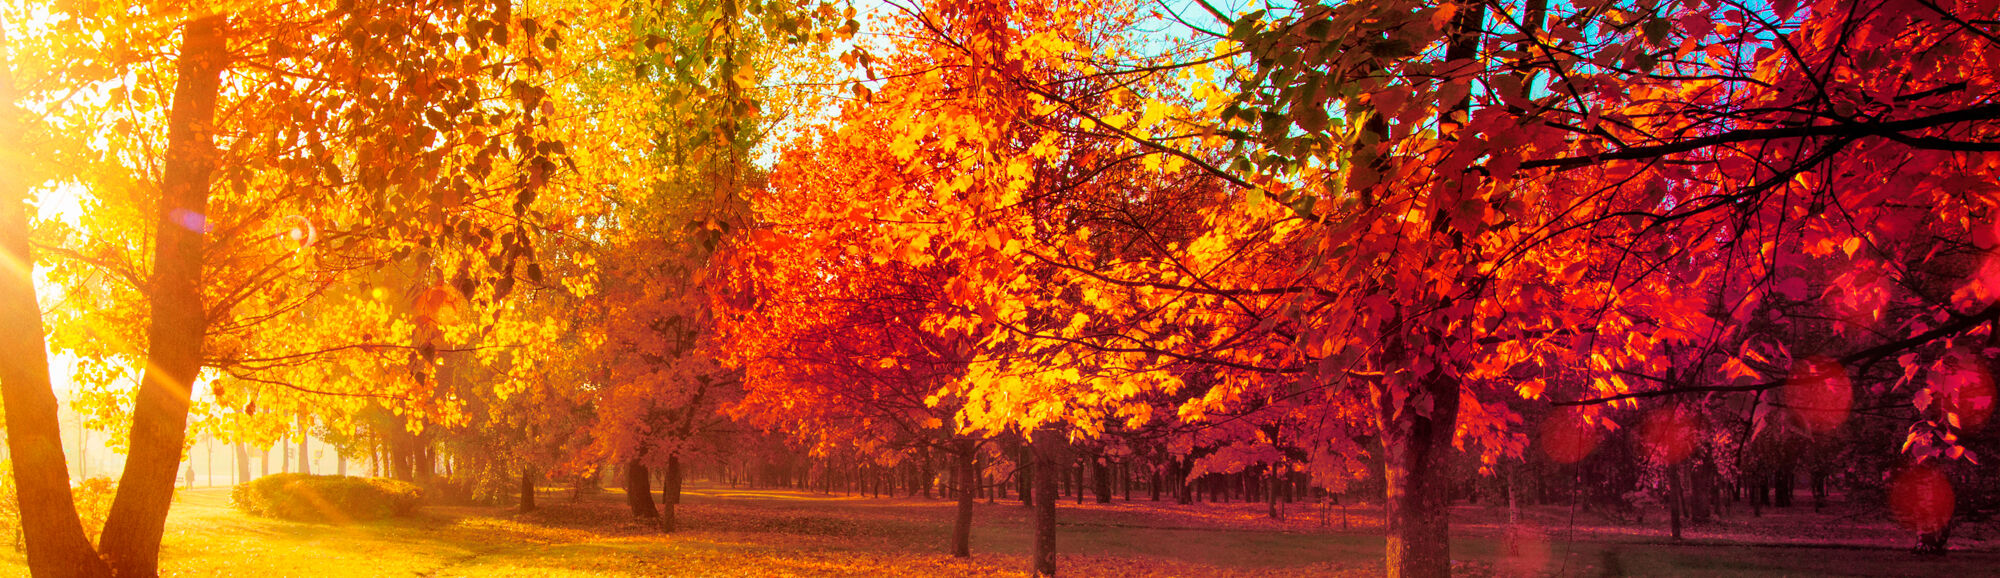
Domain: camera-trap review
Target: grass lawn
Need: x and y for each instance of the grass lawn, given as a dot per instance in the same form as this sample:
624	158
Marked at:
783	533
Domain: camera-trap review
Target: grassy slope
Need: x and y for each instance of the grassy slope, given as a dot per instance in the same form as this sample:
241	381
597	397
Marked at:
775	533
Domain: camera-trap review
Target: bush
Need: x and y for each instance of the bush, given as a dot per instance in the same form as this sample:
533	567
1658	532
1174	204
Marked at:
335	499
92	498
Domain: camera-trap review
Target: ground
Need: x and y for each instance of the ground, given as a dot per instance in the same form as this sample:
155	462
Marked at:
741	532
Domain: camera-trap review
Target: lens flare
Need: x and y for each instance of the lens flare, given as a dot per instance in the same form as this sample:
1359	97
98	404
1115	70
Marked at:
1669	434
1567	438
191	221
1819	394
300	230
1921	498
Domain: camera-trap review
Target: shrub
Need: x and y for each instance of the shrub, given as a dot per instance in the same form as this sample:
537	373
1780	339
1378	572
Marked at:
93	504
92	498
334	499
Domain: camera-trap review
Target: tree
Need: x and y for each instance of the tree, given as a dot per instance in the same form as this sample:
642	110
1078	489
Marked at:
193	289
55	539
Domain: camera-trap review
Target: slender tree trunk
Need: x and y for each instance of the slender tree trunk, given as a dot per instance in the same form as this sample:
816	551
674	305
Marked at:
961	529
670	495
1100	473
305	456
1048	446
1701	502
1757	494
1076	479
242	463
639	490
925	475
1125	477
527	489
1271	495
131	540
1676	503
54	537
1176	483
1818	488
1024	474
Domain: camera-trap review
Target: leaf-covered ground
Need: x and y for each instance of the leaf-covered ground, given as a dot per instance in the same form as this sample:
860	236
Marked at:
782	533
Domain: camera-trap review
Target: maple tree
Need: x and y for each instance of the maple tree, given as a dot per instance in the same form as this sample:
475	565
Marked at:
1607	102
1445	215
218	271
1694	240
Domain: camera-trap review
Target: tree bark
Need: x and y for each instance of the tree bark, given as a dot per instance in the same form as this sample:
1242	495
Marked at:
639	490
1416	450
1701	482
1271	495
1024	474
1100	478
1676	502
1183	489
965	479
305	456
1417	444
527	489
670	495
54	537
1787	476
131	540
1076	479
925	475
242	463
1048	445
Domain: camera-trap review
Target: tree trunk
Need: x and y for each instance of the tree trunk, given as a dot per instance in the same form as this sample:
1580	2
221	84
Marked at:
925	475
1935	543
1417	467
305	456
1787	477
527	489
1271	495
54	537
961	529
1700	490
1100	478
1676	502
639	490
1183	489
1048	453
131	540
242	464
1125	478
670	495
1076	479
1757	494
1818	488
1024	474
